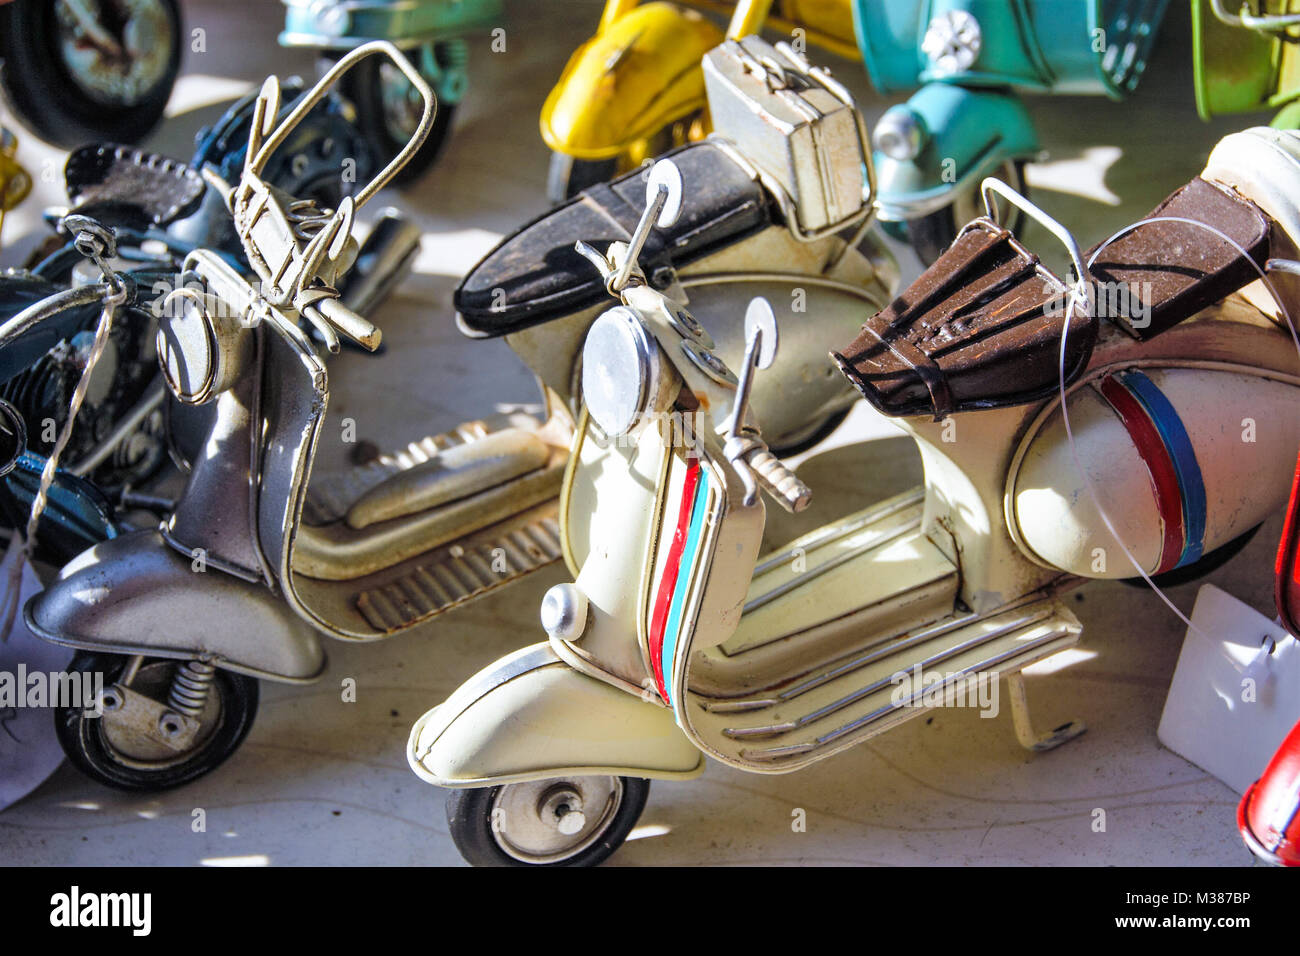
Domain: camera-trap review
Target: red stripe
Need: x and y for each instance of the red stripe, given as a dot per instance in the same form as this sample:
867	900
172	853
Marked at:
668	584
1160	465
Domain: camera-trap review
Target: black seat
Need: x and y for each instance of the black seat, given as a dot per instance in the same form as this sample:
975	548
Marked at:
131	187
536	275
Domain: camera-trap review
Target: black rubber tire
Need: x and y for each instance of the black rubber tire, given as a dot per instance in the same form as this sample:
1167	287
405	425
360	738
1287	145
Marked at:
1207	564
469	817
567	176
364	87
41	90
85	747
816	438
931	235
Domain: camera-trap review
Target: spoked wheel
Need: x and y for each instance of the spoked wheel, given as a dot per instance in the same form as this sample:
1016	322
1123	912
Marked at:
576	821
389	107
568	176
101	69
931	235
164	722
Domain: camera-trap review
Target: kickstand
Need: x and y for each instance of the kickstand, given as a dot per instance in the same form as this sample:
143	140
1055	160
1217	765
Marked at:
1025	726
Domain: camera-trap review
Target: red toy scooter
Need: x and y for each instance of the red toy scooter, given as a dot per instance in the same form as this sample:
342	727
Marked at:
1269	813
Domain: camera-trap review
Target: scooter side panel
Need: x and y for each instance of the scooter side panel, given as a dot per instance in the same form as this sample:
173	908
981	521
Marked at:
1181	461
529	717
135	594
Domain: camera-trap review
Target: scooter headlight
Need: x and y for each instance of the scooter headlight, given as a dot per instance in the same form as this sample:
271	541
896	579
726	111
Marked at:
899	134
625	380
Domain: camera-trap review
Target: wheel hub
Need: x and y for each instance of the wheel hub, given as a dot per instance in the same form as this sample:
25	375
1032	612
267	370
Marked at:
548	821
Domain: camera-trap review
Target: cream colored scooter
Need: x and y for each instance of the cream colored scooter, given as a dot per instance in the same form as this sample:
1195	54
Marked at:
677	640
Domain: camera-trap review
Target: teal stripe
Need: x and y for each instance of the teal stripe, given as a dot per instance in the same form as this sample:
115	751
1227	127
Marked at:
689	554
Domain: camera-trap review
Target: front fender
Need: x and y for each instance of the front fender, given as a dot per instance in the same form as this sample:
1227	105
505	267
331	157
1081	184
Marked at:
968	135
639	75
135	594
530	716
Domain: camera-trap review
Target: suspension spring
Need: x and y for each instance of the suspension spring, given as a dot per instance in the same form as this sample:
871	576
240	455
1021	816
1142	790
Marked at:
190	686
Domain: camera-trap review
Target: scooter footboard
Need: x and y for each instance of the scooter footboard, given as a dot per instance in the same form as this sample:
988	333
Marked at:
530	716
956	661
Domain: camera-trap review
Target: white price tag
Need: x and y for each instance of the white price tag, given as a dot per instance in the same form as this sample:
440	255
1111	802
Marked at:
1235	692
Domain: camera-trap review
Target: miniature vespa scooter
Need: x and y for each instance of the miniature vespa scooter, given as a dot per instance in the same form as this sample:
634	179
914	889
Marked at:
1246	58
182	696
379	549
965	122
634	90
677	640
15	181
430	32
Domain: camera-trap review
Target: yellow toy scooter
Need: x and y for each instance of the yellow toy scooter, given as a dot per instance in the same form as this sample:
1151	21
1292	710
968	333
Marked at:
15	182
635	89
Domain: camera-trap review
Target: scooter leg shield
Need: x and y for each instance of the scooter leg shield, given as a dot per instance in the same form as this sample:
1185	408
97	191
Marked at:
530	716
628	82
135	594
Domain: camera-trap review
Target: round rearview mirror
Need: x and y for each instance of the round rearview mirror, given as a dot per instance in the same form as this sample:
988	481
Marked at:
13	437
665	175
760	320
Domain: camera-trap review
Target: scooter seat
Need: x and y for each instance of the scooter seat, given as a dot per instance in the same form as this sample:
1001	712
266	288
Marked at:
981	328
1159	273
536	275
130	186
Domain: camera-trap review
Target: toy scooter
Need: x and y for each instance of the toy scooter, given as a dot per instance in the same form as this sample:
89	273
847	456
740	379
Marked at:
15	182
965	122
1268	815
679	640
634	90
430	32
1245	58
182	696
89	70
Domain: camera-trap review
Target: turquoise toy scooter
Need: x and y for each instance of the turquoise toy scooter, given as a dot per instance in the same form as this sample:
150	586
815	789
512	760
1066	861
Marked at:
432	35
969	58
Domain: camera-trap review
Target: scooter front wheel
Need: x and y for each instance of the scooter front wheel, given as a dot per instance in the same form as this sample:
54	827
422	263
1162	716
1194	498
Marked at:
144	741
573	821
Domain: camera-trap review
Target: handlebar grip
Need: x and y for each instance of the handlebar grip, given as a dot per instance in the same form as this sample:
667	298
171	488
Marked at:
779	481
349	323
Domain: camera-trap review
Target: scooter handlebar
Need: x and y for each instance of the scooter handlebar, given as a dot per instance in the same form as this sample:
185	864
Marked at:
778	480
759	468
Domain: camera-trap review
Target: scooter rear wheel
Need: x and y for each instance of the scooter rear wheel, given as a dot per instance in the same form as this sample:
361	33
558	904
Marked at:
115	757
533	823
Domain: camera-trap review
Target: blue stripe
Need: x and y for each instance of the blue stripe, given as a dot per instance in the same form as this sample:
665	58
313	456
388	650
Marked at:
683	580
1165	417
